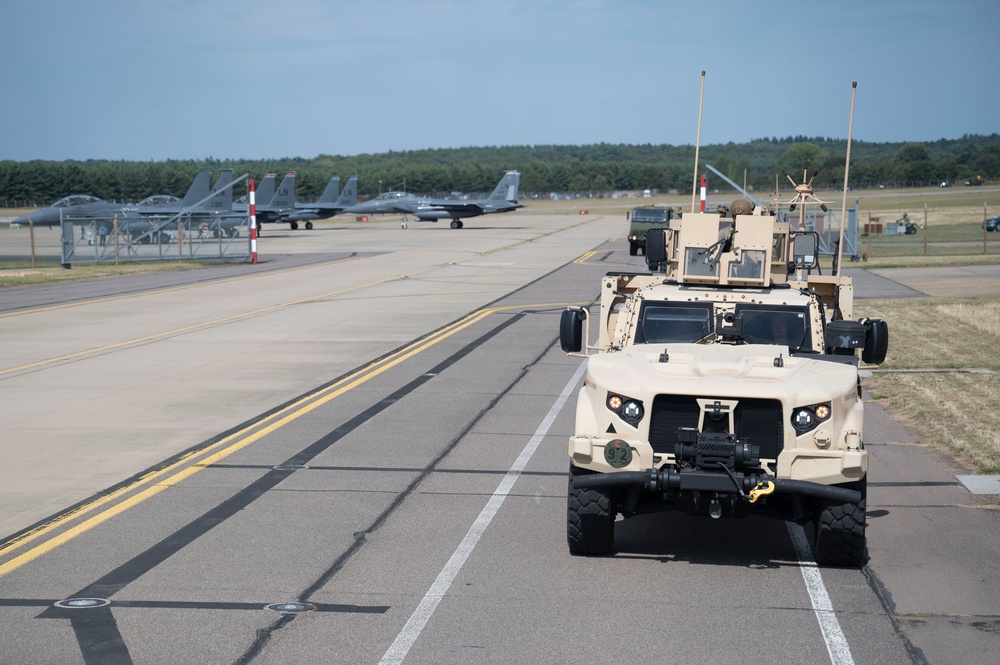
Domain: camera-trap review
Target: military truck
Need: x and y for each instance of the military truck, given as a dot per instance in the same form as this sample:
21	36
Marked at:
724	383
642	219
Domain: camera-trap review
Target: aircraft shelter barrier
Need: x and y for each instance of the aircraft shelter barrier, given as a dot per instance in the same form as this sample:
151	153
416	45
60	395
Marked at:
122	239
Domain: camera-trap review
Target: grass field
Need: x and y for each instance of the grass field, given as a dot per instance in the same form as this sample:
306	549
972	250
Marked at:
930	341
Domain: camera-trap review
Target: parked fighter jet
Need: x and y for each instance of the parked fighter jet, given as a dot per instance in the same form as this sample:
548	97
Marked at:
84	206
211	209
503	199
329	204
270	202
79	206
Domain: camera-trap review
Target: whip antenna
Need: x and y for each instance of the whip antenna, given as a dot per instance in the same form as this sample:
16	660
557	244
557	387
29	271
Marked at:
697	142
847	168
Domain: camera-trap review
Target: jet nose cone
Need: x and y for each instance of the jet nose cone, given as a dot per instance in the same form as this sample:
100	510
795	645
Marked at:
20	219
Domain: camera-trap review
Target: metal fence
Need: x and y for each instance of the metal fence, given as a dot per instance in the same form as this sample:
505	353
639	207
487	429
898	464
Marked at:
827	226
124	238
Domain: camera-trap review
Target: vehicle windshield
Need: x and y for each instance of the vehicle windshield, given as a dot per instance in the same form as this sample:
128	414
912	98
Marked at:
649	215
783	326
661	322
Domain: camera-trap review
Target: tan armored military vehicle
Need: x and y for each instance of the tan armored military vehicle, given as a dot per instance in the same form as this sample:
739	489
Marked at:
724	383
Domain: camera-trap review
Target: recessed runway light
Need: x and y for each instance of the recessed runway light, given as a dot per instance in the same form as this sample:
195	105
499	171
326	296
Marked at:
289	608
82	603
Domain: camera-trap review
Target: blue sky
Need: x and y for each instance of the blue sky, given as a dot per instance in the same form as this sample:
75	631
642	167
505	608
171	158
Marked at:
180	79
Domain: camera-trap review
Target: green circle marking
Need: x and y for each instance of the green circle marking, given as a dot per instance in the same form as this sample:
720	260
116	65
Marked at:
618	453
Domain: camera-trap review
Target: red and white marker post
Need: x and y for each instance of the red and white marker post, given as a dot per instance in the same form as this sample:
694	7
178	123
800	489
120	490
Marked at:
253	223
704	191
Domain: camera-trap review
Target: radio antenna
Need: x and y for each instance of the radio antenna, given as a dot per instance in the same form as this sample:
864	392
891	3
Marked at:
847	168
697	143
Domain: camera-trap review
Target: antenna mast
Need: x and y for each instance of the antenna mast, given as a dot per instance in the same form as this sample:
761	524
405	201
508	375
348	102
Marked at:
847	168
697	143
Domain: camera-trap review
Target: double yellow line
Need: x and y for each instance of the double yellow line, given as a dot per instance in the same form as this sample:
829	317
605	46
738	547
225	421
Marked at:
184	468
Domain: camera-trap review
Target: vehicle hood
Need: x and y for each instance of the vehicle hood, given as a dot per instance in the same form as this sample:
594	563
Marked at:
721	370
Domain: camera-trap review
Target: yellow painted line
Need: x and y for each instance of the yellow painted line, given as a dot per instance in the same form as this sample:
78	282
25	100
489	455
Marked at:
583	259
292	412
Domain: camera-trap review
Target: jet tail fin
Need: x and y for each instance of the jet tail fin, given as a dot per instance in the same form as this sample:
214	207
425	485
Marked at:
331	192
284	196
199	189
349	196
265	190
506	189
222	194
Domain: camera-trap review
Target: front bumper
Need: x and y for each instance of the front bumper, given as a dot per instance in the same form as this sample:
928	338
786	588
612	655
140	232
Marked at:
668	480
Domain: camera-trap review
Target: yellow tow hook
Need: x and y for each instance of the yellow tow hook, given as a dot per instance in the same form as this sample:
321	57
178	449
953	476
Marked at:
761	490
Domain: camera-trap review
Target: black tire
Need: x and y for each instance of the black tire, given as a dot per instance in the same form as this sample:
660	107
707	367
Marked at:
309	226
590	521
633	249
840	531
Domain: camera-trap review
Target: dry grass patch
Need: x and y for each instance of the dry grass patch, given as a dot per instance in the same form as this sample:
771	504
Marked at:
956	411
19	275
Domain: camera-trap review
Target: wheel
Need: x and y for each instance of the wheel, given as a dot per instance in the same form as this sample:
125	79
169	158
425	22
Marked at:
455	224
403	225
840	531
309	226
590	520
294	225
633	249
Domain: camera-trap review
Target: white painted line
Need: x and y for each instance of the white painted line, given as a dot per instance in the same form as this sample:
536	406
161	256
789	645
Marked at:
411	631
836	643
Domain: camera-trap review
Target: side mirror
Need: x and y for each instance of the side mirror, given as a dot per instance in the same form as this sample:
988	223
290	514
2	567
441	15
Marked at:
876	341
805	250
571	329
656	248
842	337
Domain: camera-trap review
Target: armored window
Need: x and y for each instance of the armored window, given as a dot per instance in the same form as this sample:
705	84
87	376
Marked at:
661	322
783	326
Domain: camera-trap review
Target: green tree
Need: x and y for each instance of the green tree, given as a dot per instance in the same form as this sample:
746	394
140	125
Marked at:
798	155
913	152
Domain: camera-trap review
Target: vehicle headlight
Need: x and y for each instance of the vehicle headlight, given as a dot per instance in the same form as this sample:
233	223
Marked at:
632	411
805	418
628	409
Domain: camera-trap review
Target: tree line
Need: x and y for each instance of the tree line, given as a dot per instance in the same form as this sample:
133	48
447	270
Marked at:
596	169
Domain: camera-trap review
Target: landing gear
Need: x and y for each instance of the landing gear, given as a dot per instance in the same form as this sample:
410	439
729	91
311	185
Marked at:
456	224
294	225
309	226
403	225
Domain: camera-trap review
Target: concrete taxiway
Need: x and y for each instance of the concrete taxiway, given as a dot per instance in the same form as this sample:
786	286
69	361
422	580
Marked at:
359	456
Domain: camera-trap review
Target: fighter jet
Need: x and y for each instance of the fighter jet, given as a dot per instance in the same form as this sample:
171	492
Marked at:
77	206
329	204
503	199
210	208
85	206
269	202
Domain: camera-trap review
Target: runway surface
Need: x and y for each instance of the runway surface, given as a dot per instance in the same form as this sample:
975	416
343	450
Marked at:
367	433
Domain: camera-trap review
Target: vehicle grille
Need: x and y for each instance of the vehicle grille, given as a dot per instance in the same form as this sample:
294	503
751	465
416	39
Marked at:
758	422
